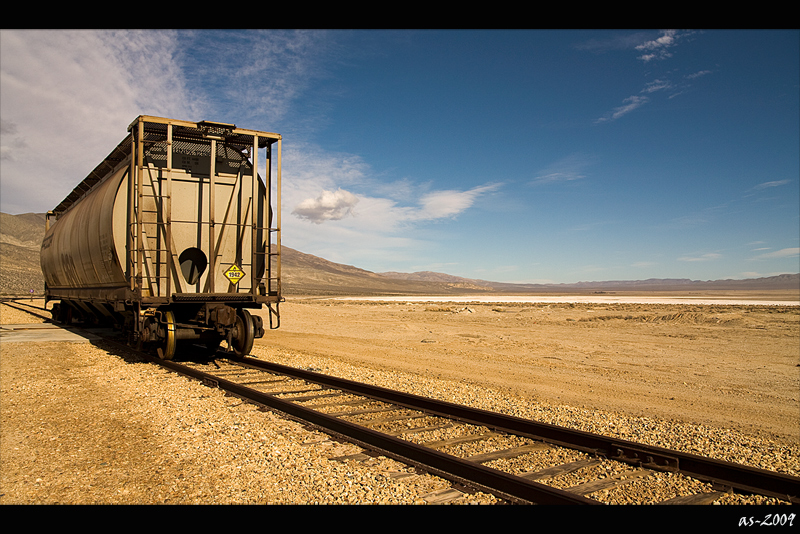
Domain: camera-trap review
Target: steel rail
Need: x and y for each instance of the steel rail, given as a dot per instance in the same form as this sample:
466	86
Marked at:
724	474
470	473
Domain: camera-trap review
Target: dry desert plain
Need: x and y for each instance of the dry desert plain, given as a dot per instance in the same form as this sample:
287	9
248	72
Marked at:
721	365
86	426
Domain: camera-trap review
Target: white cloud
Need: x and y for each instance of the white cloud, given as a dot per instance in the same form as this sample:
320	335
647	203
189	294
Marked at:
658	48
327	186
329	206
705	257
667	39
336	205
448	204
255	73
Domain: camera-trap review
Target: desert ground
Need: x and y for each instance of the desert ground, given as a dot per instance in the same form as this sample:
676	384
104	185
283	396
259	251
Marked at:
85	425
732	366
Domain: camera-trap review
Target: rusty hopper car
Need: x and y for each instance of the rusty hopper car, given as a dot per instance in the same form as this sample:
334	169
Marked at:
171	237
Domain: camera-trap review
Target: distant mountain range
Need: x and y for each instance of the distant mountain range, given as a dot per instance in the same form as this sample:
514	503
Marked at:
305	274
784	281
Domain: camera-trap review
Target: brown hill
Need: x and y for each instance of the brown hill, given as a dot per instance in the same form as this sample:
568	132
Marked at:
305	274
20	241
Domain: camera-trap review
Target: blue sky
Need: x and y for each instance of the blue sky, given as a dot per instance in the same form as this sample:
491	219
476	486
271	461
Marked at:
520	156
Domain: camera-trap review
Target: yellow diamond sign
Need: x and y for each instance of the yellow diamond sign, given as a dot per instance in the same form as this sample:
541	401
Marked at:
234	274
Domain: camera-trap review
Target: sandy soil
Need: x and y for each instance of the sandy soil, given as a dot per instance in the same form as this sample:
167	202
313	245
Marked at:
729	366
84	426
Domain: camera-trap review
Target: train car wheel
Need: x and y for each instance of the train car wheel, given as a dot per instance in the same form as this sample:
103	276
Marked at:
167	349
244	334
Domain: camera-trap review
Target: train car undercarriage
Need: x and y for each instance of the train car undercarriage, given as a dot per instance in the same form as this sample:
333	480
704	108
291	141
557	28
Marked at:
161	328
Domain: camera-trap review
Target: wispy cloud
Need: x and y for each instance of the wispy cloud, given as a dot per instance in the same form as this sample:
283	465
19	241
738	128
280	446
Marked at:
652	50
572	167
703	257
612	41
658	48
782	253
657	85
767	185
629	104
255	73
698	74
68	97
448	204
686	222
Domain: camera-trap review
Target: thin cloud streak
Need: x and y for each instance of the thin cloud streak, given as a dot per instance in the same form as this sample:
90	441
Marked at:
776	183
705	257
629	104
564	170
782	253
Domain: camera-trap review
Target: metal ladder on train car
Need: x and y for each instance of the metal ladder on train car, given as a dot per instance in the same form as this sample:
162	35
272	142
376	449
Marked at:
272	272
272	251
272	269
152	253
156	250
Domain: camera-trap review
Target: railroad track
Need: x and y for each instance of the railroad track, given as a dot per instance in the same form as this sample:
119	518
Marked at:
531	462
517	460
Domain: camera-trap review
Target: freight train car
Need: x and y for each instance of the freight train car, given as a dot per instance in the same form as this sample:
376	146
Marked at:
172	237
